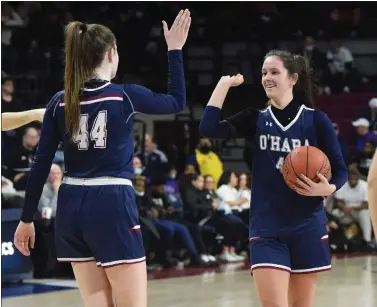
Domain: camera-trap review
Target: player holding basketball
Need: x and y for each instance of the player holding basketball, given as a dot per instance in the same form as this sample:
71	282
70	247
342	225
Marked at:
288	238
97	227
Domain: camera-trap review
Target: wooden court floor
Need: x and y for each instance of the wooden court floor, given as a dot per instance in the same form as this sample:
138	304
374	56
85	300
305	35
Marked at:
351	283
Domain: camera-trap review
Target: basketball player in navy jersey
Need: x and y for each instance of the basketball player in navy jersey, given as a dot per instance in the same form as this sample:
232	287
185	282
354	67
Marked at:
288	238
97	227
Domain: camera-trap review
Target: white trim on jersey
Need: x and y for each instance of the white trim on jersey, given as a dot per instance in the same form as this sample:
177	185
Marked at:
291	123
132	107
97	181
96	100
271	265
97	88
112	263
317	269
76	259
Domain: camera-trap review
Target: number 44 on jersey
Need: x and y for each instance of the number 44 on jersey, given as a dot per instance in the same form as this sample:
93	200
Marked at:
97	134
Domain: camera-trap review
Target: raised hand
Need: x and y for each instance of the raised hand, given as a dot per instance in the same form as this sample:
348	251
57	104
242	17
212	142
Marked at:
233	81
177	35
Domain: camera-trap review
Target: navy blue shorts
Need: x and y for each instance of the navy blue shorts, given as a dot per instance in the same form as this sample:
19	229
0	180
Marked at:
304	253
97	220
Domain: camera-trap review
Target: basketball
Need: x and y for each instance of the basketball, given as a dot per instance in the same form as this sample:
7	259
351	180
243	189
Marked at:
306	160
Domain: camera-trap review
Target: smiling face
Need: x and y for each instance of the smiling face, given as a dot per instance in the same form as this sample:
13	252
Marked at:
276	80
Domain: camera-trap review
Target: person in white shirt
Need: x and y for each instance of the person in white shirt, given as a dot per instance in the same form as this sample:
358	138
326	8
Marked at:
352	199
228	193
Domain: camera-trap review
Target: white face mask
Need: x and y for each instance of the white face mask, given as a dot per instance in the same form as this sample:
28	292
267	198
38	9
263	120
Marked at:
139	193
309	47
138	171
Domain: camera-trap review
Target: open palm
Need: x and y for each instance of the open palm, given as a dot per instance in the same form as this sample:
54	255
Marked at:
177	35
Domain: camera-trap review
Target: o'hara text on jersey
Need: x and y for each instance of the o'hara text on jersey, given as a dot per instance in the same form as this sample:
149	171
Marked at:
277	143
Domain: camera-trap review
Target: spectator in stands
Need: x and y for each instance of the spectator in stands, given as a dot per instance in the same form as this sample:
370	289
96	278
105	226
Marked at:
244	188
184	178
316	58
363	160
232	230
10	198
352	202
8	102
342	143
206	161
161	210
341	75
362	129
151	235
228	194
138	166
155	160
173	194
19	161
371	114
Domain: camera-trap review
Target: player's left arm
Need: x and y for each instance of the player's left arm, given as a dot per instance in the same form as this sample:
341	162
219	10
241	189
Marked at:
328	143
41	165
372	192
14	120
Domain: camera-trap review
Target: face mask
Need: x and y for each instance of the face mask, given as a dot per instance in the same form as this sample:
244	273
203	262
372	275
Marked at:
172	176
309	48
139	193
205	148
138	171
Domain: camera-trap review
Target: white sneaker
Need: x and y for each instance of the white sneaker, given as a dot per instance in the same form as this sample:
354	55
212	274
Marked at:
238	257
211	258
204	258
226	257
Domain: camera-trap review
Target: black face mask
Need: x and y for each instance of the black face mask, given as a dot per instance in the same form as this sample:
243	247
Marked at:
205	148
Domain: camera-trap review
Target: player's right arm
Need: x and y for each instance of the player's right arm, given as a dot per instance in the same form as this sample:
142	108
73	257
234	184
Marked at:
143	100
372	192
13	120
240	125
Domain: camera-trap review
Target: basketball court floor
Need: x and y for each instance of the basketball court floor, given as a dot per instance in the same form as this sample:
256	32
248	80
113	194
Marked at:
351	283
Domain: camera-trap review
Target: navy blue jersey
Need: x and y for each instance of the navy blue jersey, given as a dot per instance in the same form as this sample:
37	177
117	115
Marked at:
275	208
104	143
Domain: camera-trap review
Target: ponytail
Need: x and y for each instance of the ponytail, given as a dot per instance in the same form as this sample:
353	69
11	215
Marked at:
305	87
75	75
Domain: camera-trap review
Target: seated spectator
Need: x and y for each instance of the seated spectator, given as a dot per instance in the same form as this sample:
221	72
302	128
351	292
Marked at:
173	194
151	235
161	211
362	129
228	194
244	189
10	198
232	230
352	203
363	160
184	178
341	75
154	159
19	161
206	161
371	114
138	166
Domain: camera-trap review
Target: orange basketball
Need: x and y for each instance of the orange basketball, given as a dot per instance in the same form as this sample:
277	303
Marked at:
306	160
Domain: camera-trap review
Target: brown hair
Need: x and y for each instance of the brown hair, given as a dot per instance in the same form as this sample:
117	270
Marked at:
305	87
85	47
